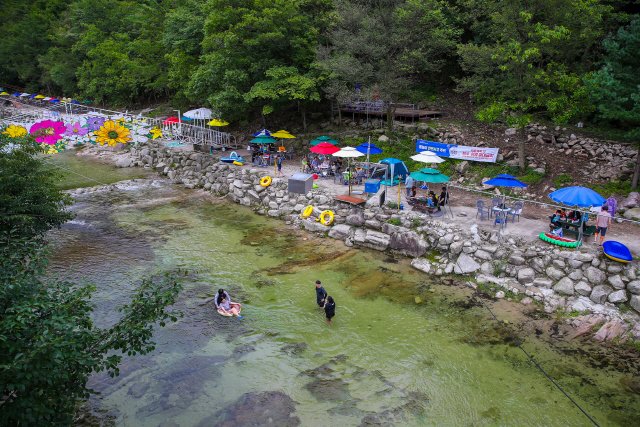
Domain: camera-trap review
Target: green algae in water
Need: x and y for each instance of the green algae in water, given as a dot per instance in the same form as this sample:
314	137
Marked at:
390	361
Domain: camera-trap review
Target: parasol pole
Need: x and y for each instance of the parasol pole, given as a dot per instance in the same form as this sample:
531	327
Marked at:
368	149
349	174
399	192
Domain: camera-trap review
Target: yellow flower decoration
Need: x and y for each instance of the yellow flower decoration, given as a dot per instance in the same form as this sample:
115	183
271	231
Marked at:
14	131
49	149
112	133
157	133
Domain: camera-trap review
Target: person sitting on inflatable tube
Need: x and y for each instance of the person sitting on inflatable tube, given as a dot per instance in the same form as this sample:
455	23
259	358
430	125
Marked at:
225	306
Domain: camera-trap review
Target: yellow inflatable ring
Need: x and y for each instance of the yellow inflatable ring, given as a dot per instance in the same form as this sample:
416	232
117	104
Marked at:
323	218
238	163
265	181
307	212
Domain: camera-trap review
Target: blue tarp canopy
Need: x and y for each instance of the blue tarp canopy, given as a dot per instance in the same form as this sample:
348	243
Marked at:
505	181
577	196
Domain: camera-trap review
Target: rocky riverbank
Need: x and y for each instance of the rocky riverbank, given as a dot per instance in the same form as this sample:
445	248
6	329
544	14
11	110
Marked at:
595	293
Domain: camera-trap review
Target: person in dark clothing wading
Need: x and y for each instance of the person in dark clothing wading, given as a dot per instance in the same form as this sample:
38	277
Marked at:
329	309
321	294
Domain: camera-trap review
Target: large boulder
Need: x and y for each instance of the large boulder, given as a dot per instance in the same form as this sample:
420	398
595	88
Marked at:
526	276
341	231
483	255
616	282
600	293
595	276
376	240
634	287
632	201
632	214
465	264
618	297
554	273
583	288
564	286
410	243
635	302
421	264
355	220
462	168
124	162
309	224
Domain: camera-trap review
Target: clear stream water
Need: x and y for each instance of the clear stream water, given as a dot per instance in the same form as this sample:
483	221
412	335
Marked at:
385	361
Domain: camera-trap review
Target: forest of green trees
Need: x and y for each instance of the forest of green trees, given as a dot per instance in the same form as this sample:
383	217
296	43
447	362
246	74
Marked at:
565	60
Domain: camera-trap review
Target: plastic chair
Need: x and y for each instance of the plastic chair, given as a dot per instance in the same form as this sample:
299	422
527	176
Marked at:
482	210
501	219
494	202
517	210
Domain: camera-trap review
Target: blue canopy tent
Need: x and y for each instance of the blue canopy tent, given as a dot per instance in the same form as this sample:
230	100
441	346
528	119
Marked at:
396	168
505	180
581	197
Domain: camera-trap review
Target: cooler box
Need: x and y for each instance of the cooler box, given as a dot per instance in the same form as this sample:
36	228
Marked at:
372	186
300	183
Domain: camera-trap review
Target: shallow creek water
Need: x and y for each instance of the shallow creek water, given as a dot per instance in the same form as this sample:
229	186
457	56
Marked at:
385	360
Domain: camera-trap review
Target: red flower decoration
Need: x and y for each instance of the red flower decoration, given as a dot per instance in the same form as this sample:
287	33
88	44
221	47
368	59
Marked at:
48	131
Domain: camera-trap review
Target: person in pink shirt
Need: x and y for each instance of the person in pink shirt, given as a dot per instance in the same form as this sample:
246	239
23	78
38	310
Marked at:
603	222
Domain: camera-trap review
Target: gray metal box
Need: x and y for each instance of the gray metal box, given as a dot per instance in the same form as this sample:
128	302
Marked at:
300	183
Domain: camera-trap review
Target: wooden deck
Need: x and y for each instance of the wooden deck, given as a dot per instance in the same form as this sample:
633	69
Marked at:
399	112
349	199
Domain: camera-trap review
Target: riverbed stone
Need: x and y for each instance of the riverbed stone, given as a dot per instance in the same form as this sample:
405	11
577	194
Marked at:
600	293
538	265
123	163
618	296
554	273
564	286
575	275
456	247
465	264
595	276
138	390
309	225
583	288
526	276
635	302
421	264
616	282
355	220
559	264
614	269
542	282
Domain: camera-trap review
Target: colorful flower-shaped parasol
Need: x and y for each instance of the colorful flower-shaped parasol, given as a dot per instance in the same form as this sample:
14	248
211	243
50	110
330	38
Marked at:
15	131
112	133
48	131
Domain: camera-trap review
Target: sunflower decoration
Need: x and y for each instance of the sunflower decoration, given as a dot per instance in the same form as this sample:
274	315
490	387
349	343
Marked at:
14	131
112	133
156	133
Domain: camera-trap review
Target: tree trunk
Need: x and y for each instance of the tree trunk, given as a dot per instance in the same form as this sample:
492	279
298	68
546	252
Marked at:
304	119
339	114
636	172
389	119
521	154
264	120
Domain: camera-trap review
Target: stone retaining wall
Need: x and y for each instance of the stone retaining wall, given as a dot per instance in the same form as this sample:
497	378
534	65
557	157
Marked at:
561	279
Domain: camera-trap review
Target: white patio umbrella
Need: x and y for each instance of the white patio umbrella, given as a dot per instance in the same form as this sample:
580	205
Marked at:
199	114
348	152
427	157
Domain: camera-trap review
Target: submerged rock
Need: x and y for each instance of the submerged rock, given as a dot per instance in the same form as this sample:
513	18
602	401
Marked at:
256	409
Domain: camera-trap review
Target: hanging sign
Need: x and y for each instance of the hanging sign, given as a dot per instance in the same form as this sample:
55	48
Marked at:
476	154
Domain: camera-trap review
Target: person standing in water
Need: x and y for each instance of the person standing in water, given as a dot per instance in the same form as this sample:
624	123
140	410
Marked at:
321	294
329	309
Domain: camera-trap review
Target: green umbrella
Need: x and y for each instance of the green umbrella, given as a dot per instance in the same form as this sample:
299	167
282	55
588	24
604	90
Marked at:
263	139
323	139
429	175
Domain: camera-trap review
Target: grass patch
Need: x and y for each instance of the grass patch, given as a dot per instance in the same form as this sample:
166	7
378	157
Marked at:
394	221
622	188
561	179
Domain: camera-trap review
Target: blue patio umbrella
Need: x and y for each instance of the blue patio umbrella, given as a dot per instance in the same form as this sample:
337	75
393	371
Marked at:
54	101
367	148
33	96
581	197
16	94
75	102
263	132
505	181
